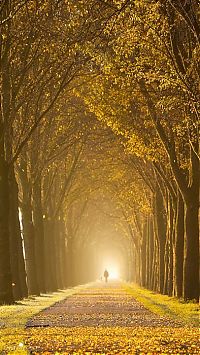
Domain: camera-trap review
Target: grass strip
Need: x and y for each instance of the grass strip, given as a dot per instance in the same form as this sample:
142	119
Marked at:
14	317
186	312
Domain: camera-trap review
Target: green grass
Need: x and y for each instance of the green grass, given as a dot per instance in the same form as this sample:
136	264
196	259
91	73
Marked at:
14	317
187	312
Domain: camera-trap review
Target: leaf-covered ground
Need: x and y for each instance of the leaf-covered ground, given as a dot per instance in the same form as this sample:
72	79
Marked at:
113	340
107	320
13	319
99	319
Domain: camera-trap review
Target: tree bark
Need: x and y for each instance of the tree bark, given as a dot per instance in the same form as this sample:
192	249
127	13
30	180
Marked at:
150	252
168	284
6	295
179	248
191	268
70	261
161	235
39	234
28	229
144	256
61	252
17	259
29	244
50	254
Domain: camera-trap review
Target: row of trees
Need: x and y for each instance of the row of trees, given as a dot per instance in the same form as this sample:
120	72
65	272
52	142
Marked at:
99	102
148	93
39	131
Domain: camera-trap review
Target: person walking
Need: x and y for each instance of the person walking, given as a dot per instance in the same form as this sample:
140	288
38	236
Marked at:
106	275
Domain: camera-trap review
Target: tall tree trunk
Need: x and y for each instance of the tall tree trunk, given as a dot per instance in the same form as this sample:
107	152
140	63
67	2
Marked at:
154	274
131	270
58	253
70	261
191	267
61	252
83	278
168	284
171	263
134	264
148	268
47	251
166	258
50	252
191	260
29	245
17	259
6	295
28	227
22	270
39	234
161	235
150	252
179	247
144	255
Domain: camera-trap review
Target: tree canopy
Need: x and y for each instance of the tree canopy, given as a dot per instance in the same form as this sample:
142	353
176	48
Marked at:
99	143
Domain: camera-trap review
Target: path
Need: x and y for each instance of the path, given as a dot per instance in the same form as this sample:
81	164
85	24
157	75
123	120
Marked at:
105	319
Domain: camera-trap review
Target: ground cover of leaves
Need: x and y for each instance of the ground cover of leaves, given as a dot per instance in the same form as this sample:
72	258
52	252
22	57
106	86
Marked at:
188	312
106	319
14	317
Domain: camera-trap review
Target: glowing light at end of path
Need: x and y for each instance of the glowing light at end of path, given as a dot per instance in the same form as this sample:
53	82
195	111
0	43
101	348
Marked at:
113	273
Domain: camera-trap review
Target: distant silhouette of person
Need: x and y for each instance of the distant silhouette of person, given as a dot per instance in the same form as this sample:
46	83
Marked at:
106	274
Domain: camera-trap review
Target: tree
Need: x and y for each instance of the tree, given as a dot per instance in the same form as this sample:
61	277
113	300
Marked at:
143	102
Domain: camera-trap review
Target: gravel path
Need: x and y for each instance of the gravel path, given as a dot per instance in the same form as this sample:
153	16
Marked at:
105	319
104	305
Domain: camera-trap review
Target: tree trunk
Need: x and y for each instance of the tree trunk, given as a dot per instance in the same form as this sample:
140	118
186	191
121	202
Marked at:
131	270
39	235
168	284
166	258
28	228
134	264
70	261
191	266
22	270
29	245
50	255
150	252
6	295
161	235
144	256
179	247
61	252
17	259
171	264
154	274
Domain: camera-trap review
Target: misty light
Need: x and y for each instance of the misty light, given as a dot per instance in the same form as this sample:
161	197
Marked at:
114	273
113	270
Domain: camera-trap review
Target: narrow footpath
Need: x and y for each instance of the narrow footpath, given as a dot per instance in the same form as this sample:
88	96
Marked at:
105	319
